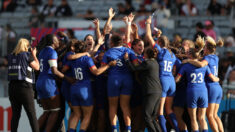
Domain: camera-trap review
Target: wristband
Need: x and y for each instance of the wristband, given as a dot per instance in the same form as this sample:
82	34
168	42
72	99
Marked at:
147	23
129	23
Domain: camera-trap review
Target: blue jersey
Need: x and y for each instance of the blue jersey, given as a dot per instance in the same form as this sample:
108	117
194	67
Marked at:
48	53
178	64
182	83
117	54
166	61
65	86
213	63
140	58
65	61
81	68
195	76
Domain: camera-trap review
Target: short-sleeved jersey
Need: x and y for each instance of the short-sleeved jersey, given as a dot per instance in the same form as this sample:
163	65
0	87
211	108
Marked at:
48	53
166	61
81	68
213	63
183	82
178	64
117	54
65	61
195	76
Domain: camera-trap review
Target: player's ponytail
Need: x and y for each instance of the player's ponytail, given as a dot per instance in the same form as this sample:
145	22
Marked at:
211	44
220	43
199	44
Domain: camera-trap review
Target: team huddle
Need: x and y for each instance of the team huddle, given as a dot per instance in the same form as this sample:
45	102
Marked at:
116	72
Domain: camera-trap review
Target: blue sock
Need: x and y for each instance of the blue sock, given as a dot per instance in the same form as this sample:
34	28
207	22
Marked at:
196	131
174	121
162	122
114	128
81	130
184	131
128	128
72	130
204	130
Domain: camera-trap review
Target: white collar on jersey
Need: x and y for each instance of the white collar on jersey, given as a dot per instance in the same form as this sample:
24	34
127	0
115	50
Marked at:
118	47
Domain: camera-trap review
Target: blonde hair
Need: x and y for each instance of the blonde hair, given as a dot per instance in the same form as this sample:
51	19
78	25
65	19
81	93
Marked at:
22	46
200	43
211	44
211	41
190	43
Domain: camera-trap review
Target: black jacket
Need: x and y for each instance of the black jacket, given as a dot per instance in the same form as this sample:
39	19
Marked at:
149	76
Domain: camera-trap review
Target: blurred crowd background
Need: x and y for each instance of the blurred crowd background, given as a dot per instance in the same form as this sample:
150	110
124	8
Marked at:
178	19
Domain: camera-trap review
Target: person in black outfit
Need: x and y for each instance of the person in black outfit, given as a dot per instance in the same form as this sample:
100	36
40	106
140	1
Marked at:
64	9
152	90
20	74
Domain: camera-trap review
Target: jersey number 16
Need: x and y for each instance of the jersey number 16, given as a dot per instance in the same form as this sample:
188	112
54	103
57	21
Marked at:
167	66
78	73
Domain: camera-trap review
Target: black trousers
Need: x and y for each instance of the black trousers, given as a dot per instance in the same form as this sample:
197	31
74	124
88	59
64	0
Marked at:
151	104
21	94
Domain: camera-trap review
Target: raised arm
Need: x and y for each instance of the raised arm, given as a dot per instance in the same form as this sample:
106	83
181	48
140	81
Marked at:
111	15
149	32
135	31
128	20
100	42
97	28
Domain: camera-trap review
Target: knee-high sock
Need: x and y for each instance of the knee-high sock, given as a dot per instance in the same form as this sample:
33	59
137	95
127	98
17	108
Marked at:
114	128
162	122
174	121
128	128
72	130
